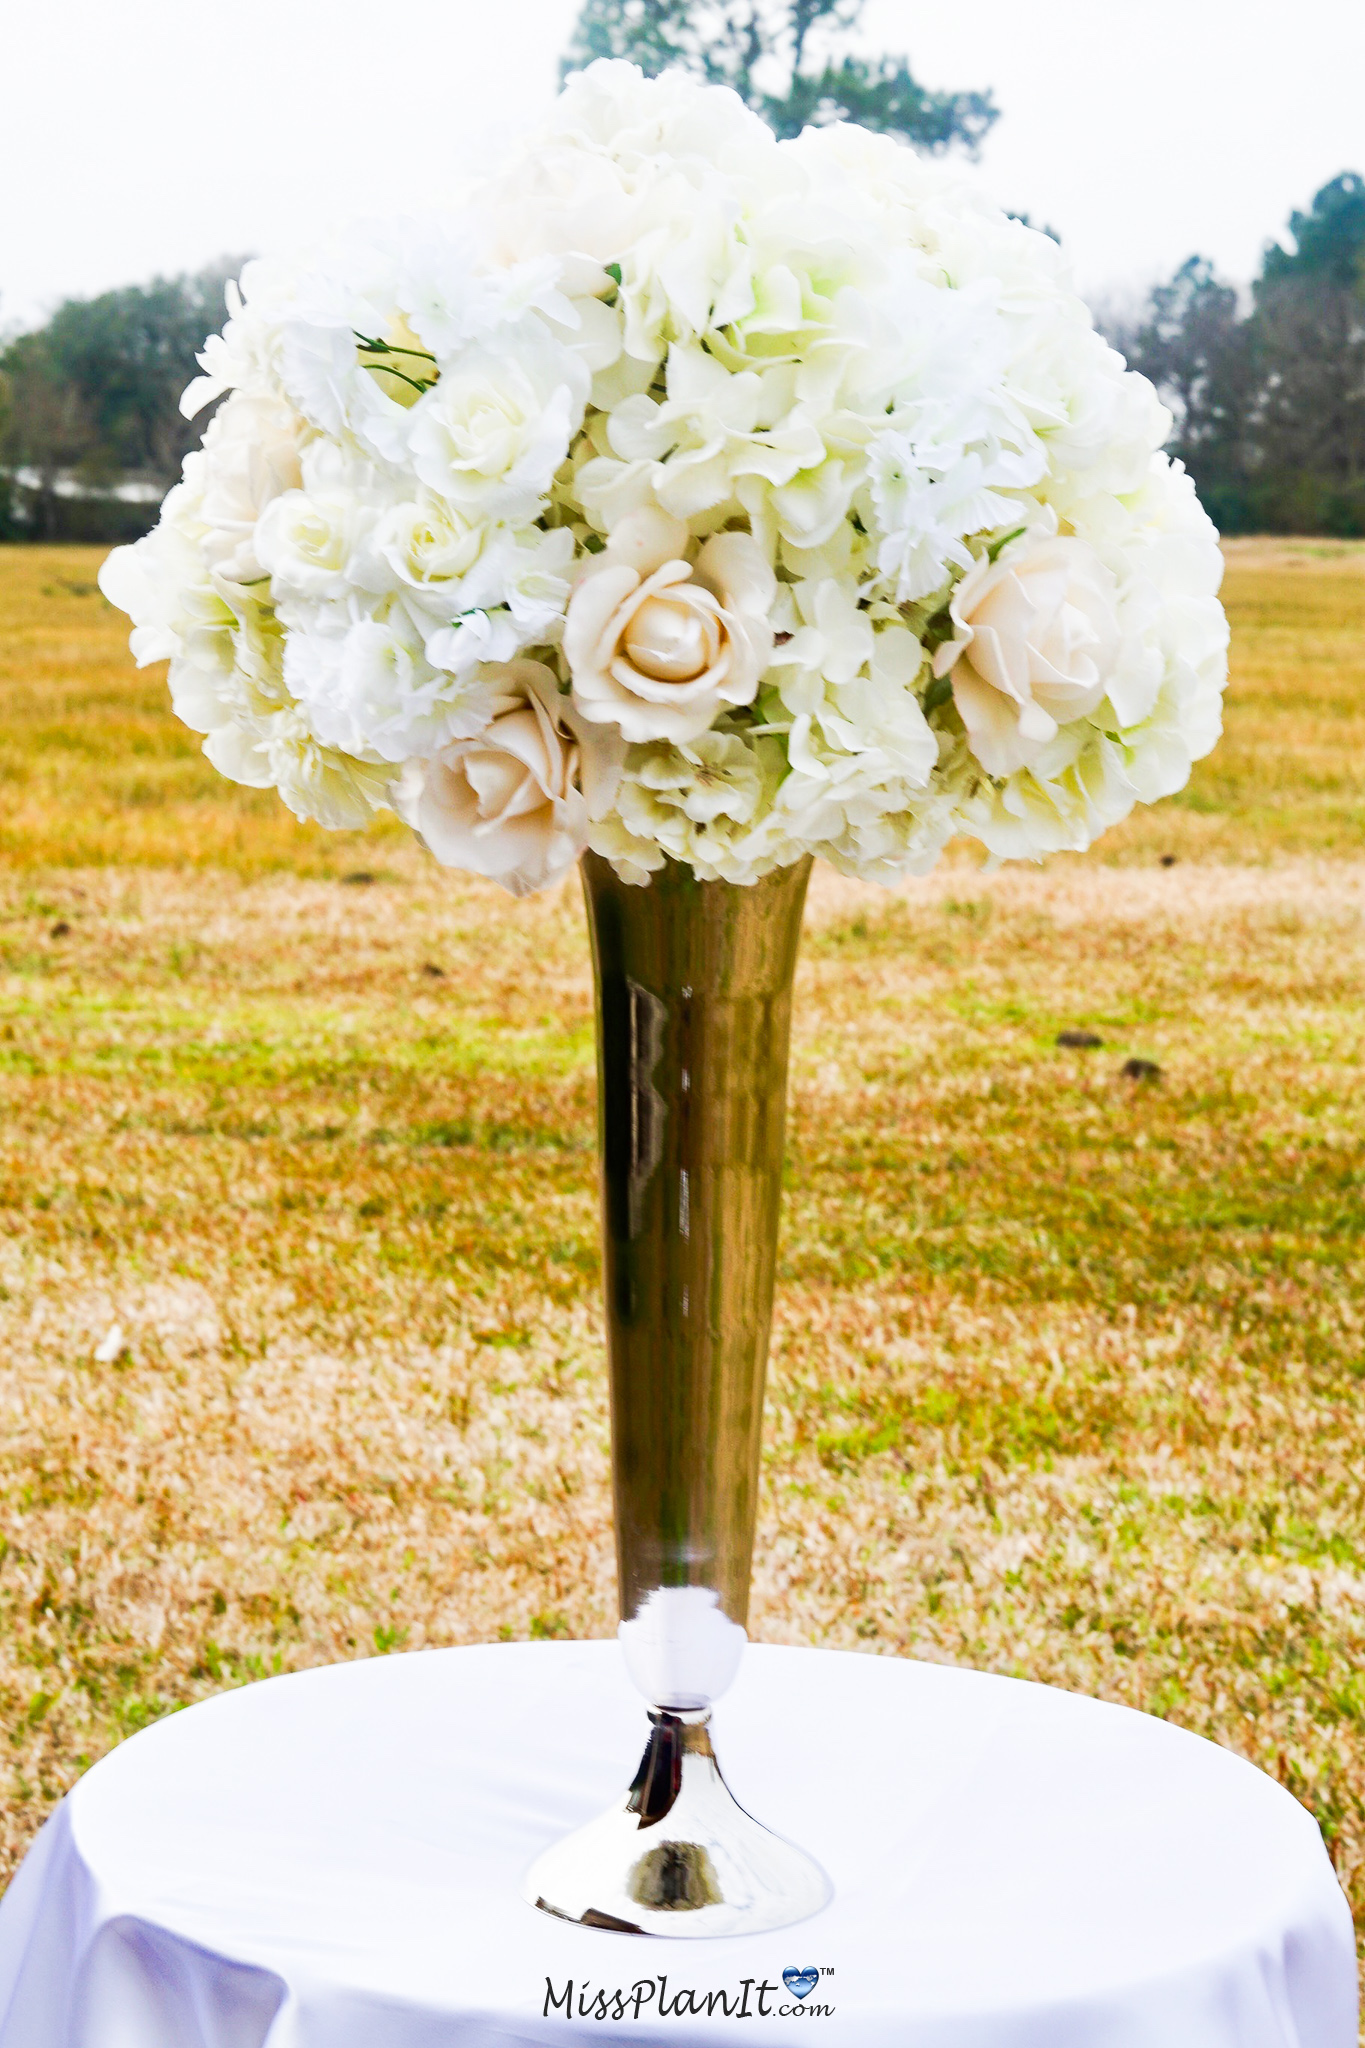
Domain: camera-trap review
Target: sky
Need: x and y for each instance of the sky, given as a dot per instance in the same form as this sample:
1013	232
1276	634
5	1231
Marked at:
153	136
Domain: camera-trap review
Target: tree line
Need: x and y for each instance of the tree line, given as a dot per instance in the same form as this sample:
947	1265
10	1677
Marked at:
1267	388
92	399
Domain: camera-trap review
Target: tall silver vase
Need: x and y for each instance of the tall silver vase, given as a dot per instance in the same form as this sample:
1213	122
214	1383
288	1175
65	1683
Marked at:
694	986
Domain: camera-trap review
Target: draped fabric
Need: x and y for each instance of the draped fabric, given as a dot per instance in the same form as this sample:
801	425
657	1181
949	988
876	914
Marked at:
331	1860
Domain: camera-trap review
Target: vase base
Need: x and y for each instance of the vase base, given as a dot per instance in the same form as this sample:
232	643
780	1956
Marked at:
677	1855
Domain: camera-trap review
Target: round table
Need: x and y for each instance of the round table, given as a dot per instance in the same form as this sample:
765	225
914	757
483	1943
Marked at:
331	1860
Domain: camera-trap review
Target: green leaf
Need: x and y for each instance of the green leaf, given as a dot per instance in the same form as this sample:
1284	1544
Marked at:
997	547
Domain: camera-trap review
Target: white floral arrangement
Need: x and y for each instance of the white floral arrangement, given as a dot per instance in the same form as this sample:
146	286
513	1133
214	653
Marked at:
688	495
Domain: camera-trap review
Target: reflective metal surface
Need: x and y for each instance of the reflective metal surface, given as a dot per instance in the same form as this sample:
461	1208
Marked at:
694	984
677	1855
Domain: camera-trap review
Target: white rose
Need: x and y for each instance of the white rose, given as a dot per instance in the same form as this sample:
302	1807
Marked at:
491	435
505	804
311	541
425	548
657	647
1037	636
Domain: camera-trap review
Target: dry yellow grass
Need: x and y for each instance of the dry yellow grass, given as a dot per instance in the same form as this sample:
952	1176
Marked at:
1067	1376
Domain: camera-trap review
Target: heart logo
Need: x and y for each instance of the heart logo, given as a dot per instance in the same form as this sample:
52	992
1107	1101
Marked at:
801	1982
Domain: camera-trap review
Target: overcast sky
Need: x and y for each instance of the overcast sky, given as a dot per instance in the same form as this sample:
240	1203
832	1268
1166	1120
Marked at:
139	136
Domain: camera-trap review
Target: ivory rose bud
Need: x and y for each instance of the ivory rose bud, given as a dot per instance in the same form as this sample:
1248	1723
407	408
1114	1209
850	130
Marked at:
1037	639
658	648
505	804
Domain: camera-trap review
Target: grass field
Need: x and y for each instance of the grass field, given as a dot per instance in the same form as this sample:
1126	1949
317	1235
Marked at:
299	1343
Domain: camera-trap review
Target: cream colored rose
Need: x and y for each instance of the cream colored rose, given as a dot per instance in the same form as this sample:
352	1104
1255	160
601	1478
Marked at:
658	648
1037	639
508	803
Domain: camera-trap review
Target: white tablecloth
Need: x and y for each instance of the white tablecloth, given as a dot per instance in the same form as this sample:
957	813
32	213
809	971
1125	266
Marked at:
331	1861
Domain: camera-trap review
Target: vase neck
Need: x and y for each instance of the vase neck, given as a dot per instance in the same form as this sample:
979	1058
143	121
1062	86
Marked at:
694	983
